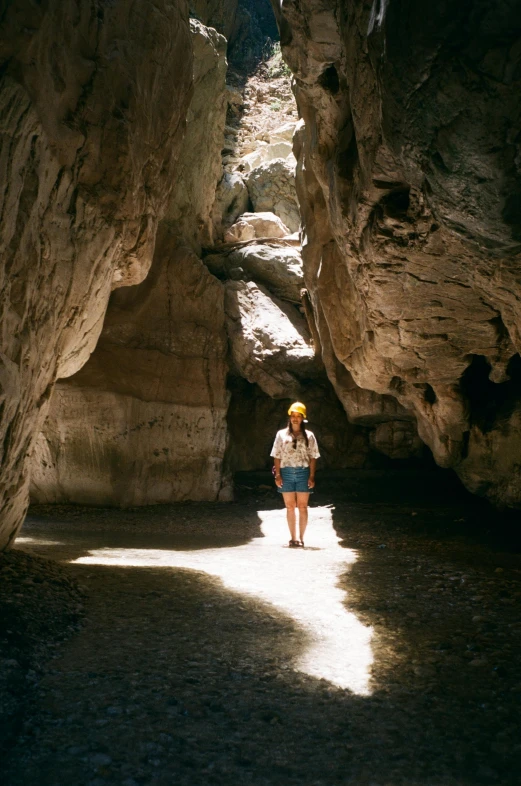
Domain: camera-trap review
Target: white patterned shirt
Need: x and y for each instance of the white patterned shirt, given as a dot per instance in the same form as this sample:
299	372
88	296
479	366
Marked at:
298	456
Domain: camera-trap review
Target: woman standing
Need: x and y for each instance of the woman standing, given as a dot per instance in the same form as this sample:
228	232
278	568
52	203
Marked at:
295	453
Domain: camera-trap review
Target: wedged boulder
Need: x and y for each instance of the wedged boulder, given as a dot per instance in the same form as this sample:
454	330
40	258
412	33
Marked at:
283	133
241	230
277	267
265	152
92	117
410	206
256	225
144	421
269	339
231	200
271	187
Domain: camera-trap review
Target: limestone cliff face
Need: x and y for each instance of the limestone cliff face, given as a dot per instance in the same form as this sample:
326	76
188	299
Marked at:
409	180
92	105
145	419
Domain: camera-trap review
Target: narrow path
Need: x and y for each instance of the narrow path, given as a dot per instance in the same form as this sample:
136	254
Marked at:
211	654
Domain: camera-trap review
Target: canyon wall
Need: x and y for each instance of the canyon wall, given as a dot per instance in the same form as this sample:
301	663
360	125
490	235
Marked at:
144	421
194	367
409	182
92	106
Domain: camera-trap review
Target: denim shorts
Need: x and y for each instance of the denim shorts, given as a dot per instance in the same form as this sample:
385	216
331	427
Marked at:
294	479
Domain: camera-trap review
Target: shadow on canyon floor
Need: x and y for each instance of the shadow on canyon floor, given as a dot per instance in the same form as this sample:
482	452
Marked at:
186	671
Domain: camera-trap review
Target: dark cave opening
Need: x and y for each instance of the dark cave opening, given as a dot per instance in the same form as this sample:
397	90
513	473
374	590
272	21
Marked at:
396	203
491	404
329	80
430	395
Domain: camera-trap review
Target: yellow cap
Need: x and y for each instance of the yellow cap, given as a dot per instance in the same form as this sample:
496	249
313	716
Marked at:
298	407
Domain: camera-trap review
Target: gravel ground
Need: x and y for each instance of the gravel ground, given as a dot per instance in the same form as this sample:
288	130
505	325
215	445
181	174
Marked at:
208	653
40	608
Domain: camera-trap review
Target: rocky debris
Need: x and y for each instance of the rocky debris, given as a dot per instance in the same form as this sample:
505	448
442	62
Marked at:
41	606
256	225
92	122
277	267
271	187
412	254
269	339
269	111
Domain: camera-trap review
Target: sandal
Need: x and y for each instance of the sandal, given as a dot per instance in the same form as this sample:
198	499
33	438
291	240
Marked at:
294	544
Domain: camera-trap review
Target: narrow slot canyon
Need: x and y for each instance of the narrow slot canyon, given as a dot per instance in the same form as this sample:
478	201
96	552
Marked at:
211	211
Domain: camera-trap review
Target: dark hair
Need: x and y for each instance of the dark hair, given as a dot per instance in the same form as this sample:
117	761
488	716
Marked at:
302	428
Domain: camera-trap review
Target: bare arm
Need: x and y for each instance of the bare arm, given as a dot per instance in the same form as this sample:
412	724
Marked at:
312	468
278	478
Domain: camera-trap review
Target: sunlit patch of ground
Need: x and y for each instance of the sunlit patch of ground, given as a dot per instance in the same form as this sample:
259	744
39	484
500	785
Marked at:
300	582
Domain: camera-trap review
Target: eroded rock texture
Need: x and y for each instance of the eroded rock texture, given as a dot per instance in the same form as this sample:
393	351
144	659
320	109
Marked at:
145	419
92	103
409	183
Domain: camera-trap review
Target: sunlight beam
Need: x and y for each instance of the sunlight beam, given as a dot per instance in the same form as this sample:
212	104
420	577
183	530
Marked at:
303	583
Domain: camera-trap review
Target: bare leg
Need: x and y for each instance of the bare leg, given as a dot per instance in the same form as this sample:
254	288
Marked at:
290	501
302	504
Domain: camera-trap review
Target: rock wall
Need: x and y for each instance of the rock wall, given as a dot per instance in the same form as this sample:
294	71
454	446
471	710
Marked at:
409	182
92	105
219	14
145	420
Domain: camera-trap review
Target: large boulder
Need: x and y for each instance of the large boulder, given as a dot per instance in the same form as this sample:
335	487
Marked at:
92	116
283	133
277	267
269	339
256	225
145	420
264	152
271	187
410	206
